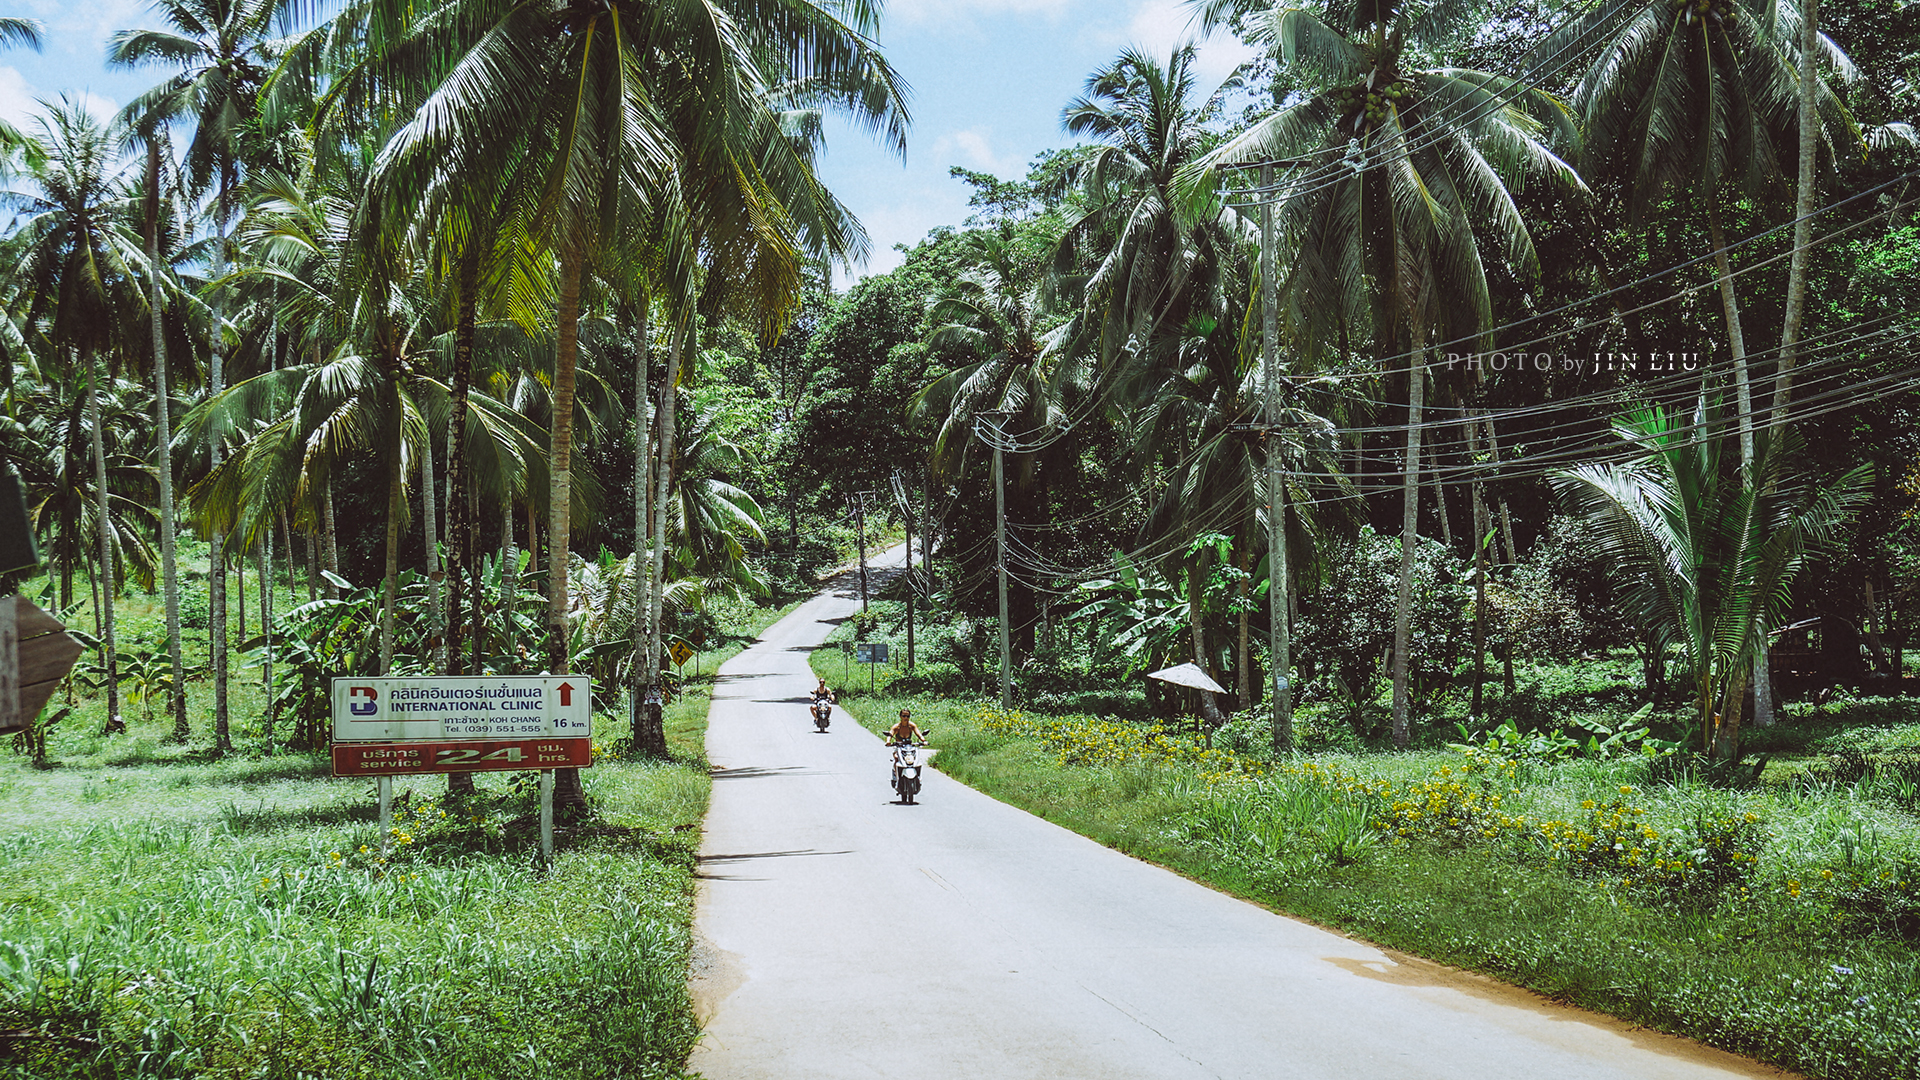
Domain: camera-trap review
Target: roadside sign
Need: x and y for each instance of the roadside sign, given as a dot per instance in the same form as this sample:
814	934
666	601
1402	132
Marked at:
430	709
497	755
36	652
870	652
679	651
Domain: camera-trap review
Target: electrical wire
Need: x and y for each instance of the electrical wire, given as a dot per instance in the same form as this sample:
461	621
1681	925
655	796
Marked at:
1519	84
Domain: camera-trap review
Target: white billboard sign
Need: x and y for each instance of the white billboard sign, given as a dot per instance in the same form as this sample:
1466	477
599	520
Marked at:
439	709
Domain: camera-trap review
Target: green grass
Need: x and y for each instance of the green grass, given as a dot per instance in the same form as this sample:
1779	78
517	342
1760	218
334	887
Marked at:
166	912
236	919
1807	957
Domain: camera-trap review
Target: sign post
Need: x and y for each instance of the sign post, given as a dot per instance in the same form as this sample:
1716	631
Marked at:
384	786
546	816
408	726
871	653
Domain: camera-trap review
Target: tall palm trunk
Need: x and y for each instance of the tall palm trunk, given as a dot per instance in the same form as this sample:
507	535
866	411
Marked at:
1500	497
1196	585
263	565
240	590
656	563
163	455
1737	344
1803	201
1409	535
460	506
567	791
509	589
1440	493
390	577
217	540
1791	324
333	543
1736	338
648	738
437	613
104	529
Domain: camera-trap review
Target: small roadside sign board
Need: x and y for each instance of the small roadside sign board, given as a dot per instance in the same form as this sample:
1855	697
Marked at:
492	755
679	651
870	652
36	652
429	709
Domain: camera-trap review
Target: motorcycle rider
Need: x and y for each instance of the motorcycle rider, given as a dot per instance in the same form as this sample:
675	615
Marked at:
903	732
821	708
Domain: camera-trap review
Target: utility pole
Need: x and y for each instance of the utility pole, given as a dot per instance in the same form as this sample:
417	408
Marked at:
1277	587
860	524
1000	534
906	511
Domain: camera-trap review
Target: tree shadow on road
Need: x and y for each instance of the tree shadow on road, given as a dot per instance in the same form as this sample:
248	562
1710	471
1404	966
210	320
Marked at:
711	860
755	773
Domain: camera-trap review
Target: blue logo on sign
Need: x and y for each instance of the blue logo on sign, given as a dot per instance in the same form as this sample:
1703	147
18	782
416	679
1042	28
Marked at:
366	708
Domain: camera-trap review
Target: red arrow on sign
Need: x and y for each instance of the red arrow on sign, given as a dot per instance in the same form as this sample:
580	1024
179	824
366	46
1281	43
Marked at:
566	694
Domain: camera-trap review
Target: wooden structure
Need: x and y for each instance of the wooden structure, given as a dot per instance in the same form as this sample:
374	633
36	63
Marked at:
36	652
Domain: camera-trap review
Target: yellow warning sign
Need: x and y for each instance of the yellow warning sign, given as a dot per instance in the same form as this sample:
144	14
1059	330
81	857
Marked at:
680	651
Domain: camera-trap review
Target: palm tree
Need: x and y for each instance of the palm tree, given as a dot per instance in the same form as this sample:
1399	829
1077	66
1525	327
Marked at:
1706	547
1163	305
49	441
642	118
81	266
161	225
992	321
1696	97
220	48
1151	253
1400	179
17	31
712	519
356	291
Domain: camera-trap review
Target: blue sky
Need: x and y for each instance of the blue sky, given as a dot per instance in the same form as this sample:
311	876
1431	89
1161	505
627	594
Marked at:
989	79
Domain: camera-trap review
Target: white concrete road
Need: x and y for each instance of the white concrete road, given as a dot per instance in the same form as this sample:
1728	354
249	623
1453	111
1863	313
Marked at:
843	936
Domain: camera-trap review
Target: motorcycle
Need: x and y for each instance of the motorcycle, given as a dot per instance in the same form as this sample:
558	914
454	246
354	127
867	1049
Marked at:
822	713
906	771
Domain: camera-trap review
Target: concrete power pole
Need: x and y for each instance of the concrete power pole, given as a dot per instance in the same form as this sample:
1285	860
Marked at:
860	525
1000	533
906	514
1280	642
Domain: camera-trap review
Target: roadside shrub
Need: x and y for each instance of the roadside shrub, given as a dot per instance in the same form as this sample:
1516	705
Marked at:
1307	806
1698	861
1086	740
1886	902
1456	805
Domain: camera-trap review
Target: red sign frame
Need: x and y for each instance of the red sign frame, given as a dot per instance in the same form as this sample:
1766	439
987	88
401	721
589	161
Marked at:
491	755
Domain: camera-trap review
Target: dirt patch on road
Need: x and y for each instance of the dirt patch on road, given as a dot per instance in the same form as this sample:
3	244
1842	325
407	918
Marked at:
1401	969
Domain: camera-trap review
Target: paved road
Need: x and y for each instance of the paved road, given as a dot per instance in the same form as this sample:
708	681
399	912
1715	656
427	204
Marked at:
845	936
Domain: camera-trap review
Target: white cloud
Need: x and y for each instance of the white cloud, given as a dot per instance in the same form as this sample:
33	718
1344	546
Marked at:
902	223
93	21
16	97
974	148
1156	25
20	100
968	12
